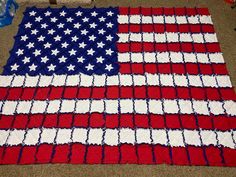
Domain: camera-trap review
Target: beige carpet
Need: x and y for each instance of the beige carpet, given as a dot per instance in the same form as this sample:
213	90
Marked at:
224	20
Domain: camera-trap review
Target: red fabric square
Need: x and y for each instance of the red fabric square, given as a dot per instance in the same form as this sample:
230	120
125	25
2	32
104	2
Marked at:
172	121
35	120
213	156
111	154
162	154
213	47
123	28
171	27
97	120
50	120
3	92
179	11
220	68
44	153
99	92
164	68
188	121
77	153
70	92
112	92
6	121
56	93
196	155
174	47
147	47
84	92
28	154
206	69
140	92
137	68
28	93
228	94
61	154
126	92
81	120
168	11
94	154
222	123
200	47
212	94
150	68
195	28
123	10
128	154
198	93
123	47
159	28
184	28
192	68
42	93
112	121
179	156
134	10
204	122
136	47
126	120
133	28
168	92
146	11
145	154
142	120
65	120
183	92
208	28
11	155
14	93
229	156
187	47
20	121
157	121
154	92
178	68
125	68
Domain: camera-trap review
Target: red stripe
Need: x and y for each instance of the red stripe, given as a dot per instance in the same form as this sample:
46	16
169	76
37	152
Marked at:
161	28
115	92
177	68
165	47
97	120
163	11
125	153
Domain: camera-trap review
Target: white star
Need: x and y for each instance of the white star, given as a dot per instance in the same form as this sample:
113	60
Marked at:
30	45
71	67
64	45
41	38
82	45
28	25
94	14
78	13
109	67
55	52
84	32
47	13
110	13
24	38
32	67
51	31
32	13
72	52
77	25
60	25
93	25
14	67
51	67
26	60
67	31
101	31
109	25
80	59
92	38
109	52
44	59
34	31
62	59
100	44
109	38
47	45
37	52
44	25
100	59
57	38
20	52
85	19
89	67
74	39
102	19
38	19
54	19
90	52
62	13
69	19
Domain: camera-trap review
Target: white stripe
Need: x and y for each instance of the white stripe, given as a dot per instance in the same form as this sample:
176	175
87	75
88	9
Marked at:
127	135
126	106
136	19
175	57
125	80
166	37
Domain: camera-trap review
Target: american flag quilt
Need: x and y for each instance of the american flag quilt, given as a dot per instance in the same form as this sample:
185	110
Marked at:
115	86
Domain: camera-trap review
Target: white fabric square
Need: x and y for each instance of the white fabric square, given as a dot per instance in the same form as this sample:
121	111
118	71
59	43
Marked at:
190	57
208	137
169	19
122	19
79	135
143	136
86	81
135	19
9	107
176	138
216	107
73	80
205	19
136	57
226	139
3	136
45	81
163	57
140	106
67	106
159	137
171	106
200	107
230	107
223	81
111	137
16	137
32	137
181	19
123	37
99	80
113	80
176	57
48	135
127	136
166	79
82	106
216	58
209	81
97	106
31	81
5	81
150	57
192	137
172	37
193	19
24	107
126	106
59	80
152	79
53	106
198	38
124	57
111	106
63	136
195	80
147	37
18	81
139	80
158	19
181	80
39	107
185	106
135	37
155	107
95	136
202	58
126	80
210	37
146	19
186	37
160	38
